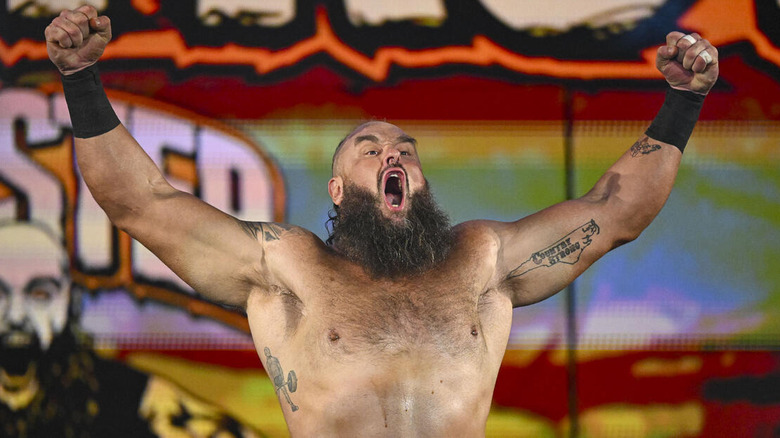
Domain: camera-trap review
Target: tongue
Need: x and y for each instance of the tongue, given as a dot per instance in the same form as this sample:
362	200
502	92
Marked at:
392	199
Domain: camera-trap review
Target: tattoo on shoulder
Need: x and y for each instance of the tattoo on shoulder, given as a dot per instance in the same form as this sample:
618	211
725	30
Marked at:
276	373
566	250
643	147
267	230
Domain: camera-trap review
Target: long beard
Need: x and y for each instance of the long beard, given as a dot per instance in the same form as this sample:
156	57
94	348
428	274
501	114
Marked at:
387	248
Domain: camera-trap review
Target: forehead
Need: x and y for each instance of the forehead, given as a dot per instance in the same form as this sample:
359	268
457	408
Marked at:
382	130
27	252
371	131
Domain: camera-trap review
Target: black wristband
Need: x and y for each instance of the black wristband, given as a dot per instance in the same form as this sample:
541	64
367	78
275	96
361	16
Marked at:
90	111
675	120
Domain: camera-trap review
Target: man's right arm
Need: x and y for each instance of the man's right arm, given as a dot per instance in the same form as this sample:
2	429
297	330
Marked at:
219	256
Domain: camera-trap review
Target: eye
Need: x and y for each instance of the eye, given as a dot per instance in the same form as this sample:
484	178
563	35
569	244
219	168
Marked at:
405	153
40	294
372	152
42	290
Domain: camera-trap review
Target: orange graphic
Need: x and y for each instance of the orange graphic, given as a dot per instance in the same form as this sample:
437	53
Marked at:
146	7
718	24
726	25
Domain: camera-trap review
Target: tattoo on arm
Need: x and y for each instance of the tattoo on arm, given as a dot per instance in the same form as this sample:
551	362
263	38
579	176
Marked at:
566	250
275	371
267	230
643	147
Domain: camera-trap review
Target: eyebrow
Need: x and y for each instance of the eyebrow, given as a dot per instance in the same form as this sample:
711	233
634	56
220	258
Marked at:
361	138
39	281
407	139
374	139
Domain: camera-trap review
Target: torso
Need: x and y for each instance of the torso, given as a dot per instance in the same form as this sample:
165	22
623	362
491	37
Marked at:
412	357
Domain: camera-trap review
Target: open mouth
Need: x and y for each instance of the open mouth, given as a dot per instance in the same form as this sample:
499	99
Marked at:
394	182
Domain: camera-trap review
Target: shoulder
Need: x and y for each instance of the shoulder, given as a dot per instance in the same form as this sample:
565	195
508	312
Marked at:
485	231
478	236
282	247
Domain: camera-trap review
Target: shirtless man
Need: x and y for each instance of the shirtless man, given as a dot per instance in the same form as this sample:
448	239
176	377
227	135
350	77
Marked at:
397	326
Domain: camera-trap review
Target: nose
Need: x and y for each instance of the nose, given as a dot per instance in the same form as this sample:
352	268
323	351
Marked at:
392	156
16	311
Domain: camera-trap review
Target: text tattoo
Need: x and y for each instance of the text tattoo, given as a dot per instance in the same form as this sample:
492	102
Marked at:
566	250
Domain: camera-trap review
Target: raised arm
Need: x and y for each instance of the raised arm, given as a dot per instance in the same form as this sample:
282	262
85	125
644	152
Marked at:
219	256
539	255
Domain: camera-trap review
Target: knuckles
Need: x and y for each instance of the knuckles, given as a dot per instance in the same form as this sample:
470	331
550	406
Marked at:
70	27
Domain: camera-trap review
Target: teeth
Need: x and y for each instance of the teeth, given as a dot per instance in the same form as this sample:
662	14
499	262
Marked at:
18	340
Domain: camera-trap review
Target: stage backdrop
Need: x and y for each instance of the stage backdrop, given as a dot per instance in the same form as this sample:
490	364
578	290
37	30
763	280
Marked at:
515	105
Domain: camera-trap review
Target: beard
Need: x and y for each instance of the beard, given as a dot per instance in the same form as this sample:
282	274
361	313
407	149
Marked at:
388	248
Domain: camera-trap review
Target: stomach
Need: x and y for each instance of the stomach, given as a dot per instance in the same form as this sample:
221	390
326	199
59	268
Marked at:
393	398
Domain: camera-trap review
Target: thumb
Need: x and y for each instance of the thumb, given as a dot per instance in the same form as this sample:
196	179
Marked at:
665	55
668	52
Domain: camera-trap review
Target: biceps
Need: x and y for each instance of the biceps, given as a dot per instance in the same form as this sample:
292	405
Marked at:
545	265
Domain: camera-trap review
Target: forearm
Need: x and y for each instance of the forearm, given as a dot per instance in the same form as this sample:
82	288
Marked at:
634	189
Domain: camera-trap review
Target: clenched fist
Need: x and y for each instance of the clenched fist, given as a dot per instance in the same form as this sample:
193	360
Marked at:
76	39
688	62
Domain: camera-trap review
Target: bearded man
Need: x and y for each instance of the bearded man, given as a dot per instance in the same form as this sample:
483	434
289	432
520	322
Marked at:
398	326
52	383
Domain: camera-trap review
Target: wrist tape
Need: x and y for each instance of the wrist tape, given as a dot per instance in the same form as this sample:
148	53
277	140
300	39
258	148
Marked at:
90	111
675	120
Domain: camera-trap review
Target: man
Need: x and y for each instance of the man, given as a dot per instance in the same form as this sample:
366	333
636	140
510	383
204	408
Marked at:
397	327
51	385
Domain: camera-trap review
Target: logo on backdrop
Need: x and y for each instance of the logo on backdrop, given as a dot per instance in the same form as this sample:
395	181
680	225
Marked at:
378	41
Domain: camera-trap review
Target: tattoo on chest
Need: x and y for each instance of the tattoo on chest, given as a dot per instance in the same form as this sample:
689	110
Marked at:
643	147
267	230
275	371
566	250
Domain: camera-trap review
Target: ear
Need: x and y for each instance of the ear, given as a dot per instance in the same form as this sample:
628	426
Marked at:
336	189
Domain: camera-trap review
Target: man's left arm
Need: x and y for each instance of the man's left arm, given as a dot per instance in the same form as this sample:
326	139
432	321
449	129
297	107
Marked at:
540	254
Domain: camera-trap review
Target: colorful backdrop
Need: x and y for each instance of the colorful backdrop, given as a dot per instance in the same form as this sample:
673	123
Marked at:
516	105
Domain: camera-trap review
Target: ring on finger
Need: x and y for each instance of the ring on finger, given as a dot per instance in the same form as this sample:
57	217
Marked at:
705	56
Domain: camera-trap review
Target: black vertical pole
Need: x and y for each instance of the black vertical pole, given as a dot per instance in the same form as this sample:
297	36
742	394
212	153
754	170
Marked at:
570	292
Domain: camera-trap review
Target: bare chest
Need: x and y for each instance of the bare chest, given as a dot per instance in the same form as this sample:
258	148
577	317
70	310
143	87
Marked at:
398	318
336	310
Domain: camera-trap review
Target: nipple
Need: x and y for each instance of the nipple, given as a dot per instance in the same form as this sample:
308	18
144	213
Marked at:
333	335
474	331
